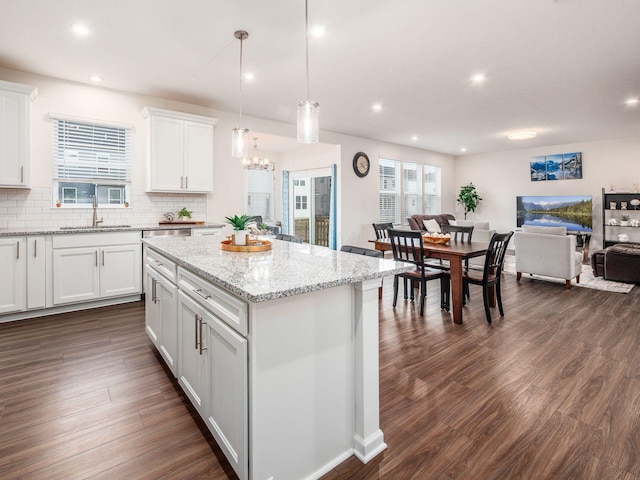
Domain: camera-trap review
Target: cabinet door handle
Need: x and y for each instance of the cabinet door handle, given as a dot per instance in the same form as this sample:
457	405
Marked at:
96	258
181	181
22	174
201	295
103	258
153	290
35	248
202	349
196	329
186	183
18	249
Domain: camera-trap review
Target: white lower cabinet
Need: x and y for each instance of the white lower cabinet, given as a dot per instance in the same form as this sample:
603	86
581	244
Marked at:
192	368
36	272
13	254
94	266
213	364
161	316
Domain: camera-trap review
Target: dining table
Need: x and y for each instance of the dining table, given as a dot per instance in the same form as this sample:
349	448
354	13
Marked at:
455	253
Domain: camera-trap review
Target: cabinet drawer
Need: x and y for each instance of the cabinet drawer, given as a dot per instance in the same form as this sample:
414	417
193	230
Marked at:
228	308
97	239
162	264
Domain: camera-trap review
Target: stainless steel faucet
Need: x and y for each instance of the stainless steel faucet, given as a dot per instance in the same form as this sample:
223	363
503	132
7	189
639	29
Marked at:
95	212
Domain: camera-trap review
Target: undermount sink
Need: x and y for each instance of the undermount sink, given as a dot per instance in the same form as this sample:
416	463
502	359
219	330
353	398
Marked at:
90	227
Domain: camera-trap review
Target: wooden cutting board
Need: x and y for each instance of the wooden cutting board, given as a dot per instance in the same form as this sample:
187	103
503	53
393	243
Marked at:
184	222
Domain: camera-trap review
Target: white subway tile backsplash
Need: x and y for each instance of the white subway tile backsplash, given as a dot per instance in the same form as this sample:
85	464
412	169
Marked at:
33	208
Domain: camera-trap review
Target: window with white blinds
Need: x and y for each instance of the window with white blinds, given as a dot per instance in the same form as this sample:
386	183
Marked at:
407	188
260	194
91	159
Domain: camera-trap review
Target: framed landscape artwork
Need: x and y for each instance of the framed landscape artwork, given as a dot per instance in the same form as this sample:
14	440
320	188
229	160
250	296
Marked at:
560	166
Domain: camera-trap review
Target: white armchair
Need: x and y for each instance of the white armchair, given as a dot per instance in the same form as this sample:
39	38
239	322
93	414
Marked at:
547	251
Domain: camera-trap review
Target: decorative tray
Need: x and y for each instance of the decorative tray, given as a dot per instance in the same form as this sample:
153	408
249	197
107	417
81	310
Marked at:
430	239
253	246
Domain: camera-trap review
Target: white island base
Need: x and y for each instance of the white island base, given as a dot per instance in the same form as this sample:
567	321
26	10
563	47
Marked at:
313	382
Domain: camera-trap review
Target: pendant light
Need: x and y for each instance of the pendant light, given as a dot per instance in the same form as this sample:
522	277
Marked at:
240	136
308	111
255	161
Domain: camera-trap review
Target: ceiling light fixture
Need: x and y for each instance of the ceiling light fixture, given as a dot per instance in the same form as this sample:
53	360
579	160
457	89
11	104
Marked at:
80	29
308	111
523	135
632	101
318	31
463	149
478	78
376	107
414	138
255	161
95	78
239	135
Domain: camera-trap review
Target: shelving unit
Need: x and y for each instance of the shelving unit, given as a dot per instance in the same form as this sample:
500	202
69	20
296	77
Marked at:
610	232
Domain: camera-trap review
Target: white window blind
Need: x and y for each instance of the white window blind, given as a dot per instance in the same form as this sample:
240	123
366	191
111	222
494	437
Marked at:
260	193
91	152
389	199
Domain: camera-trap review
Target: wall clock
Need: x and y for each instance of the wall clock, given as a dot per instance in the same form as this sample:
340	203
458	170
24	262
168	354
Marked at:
361	164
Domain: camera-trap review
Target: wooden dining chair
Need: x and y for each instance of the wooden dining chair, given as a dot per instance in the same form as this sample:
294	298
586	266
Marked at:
459	234
492	271
407	247
381	229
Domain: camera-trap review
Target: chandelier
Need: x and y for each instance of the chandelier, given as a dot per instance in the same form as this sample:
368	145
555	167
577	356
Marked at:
255	161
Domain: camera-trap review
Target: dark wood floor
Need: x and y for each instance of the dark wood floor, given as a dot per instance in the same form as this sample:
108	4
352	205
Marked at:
550	391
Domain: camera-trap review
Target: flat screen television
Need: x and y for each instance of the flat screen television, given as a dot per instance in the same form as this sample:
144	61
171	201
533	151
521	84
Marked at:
572	211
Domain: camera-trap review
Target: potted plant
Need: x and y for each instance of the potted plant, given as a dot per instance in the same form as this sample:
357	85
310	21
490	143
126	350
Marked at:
126	204
240	224
624	220
469	198
184	213
58	203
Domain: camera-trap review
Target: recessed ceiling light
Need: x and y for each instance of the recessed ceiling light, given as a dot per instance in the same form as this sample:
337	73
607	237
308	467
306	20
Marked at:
80	30
463	149
414	138
478	78
95	78
523	135
376	107
632	101
317	31
249	76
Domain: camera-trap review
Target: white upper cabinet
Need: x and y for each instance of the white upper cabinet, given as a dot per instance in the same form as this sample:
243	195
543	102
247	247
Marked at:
14	134
180	151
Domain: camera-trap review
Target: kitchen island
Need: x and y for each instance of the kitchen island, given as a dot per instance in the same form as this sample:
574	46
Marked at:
277	350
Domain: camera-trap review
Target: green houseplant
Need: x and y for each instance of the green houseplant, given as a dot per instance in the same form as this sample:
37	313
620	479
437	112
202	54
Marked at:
240	225
469	198
624	220
184	213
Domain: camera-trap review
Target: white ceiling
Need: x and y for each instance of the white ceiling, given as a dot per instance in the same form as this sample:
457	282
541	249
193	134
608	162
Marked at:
563	68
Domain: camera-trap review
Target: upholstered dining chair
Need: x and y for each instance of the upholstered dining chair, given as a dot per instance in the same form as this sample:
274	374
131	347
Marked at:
288	238
381	229
492	271
407	247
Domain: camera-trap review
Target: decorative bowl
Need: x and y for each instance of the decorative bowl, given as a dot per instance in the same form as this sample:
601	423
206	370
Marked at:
430	239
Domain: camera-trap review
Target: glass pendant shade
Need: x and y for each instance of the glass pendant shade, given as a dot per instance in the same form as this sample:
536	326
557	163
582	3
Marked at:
308	122
240	142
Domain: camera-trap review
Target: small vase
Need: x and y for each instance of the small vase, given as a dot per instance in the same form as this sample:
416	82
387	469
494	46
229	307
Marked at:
624	223
240	237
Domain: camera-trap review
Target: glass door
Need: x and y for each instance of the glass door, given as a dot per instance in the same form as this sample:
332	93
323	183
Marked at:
311	194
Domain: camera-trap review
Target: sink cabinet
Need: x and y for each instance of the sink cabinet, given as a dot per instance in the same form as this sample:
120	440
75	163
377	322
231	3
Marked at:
180	151
97	265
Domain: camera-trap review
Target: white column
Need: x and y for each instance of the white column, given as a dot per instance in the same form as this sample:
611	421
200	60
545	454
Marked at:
368	439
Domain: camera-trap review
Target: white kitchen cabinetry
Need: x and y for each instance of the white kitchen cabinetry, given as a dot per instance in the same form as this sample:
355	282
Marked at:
161	308
36	272
180	151
14	134
13	265
213	363
97	265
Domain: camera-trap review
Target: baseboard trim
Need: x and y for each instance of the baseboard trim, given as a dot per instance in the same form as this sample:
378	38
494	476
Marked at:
367	449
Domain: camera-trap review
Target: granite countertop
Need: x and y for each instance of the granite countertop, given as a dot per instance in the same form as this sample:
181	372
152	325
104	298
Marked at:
286	270
18	232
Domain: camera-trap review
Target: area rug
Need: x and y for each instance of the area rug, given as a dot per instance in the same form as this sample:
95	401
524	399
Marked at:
587	280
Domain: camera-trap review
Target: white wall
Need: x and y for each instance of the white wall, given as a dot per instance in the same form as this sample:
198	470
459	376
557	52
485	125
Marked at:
358	198
502	176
